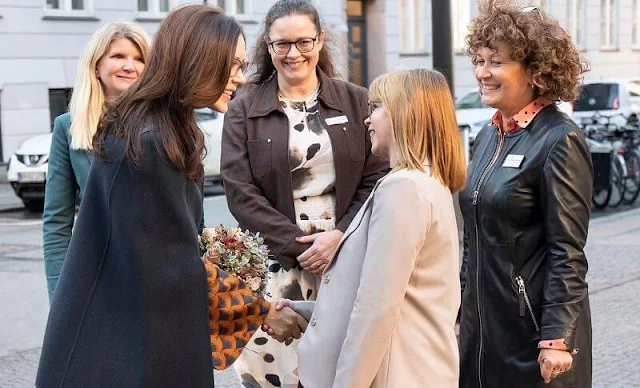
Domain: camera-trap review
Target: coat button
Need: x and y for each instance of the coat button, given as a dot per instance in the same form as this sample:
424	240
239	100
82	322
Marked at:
326	279
314	321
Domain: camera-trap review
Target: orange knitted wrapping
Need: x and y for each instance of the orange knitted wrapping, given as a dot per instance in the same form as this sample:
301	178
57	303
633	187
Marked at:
234	315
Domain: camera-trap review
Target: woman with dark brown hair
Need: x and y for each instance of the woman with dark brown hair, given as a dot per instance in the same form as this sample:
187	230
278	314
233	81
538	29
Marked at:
296	165
131	306
525	318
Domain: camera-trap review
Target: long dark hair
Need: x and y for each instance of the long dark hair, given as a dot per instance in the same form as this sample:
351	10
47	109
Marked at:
189	67
260	55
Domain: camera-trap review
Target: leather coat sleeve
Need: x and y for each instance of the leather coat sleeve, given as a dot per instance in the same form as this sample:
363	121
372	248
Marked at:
465	259
246	201
566	185
59	205
374	169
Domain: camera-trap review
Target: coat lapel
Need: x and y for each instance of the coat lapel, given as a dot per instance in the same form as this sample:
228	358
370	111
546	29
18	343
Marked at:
353	226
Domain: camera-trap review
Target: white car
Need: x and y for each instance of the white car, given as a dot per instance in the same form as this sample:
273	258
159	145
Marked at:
27	170
472	114
617	97
211	124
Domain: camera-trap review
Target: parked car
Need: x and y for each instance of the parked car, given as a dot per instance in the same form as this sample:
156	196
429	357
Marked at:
610	97
211	124
27	170
27	167
472	114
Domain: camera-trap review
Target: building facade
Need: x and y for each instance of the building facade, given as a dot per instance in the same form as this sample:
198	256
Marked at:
41	41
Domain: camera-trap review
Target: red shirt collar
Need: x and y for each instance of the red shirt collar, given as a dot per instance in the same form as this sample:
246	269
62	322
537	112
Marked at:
523	117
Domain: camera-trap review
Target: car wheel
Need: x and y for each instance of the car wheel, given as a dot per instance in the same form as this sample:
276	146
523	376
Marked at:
35	205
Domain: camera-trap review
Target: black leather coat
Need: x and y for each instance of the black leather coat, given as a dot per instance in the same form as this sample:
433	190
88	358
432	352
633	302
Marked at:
524	265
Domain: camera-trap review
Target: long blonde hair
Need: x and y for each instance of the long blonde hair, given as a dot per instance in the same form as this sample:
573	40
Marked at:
422	114
88	98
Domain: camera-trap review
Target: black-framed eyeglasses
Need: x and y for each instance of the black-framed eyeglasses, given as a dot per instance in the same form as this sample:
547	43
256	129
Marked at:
373	105
304	45
239	66
532	9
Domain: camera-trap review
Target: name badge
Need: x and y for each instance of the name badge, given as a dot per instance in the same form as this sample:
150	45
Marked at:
336	120
513	161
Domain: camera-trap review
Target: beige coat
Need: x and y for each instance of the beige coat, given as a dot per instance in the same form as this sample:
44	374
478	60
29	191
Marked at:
386	310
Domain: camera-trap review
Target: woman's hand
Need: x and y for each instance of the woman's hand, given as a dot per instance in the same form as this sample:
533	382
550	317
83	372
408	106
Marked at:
317	256
553	363
295	330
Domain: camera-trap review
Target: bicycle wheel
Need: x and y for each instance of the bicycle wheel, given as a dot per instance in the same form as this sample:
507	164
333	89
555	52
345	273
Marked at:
632	183
600	198
617	181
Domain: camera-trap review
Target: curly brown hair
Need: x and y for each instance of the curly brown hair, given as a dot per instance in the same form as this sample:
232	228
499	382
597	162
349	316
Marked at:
536	40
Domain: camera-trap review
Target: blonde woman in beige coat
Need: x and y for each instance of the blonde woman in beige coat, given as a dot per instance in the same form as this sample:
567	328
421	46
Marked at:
386	309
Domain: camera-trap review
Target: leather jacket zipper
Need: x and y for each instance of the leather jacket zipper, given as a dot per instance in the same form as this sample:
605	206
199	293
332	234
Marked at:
476	197
525	303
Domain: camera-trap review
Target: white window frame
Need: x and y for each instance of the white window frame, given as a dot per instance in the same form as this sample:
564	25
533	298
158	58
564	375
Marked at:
635	38
154	9
610	21
67	10
575	19
461	15
231	8
411	30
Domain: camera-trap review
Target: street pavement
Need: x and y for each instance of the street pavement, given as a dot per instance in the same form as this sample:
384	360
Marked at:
613	250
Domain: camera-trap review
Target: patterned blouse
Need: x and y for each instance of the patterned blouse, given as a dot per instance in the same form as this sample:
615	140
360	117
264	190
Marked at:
313	173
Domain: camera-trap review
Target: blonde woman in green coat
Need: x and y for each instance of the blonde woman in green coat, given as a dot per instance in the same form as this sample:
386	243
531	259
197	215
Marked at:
113	59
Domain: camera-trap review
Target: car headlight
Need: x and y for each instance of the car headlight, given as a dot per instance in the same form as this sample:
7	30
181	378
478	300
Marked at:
30	160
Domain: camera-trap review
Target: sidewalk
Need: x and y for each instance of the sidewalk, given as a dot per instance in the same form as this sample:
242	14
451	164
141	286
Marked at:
8	199
613	251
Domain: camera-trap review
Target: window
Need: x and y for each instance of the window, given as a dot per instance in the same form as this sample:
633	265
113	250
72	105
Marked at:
608	24
58	103
461	15
600	96
635	23
575	21
411	37
154	8
69	7
470	101
234	7
634	88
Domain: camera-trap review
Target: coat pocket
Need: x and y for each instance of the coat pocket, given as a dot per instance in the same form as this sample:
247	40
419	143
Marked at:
259	157
355	143
525	302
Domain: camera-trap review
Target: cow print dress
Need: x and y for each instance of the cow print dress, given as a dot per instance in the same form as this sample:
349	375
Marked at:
266	362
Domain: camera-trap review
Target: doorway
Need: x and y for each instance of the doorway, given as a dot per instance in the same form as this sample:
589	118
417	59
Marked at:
357	25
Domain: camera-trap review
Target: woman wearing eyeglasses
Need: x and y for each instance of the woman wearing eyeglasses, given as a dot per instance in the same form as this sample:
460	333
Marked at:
525	318
296	165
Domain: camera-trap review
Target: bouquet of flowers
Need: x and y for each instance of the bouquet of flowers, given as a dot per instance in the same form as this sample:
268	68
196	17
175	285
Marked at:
240	254
236	265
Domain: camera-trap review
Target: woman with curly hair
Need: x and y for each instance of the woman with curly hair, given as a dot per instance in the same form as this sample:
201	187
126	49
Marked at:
525	315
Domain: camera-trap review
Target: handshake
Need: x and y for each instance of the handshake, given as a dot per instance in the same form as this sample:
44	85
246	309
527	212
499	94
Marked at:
283	323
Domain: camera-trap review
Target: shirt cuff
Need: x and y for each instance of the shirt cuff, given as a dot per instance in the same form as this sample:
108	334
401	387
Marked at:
556	344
